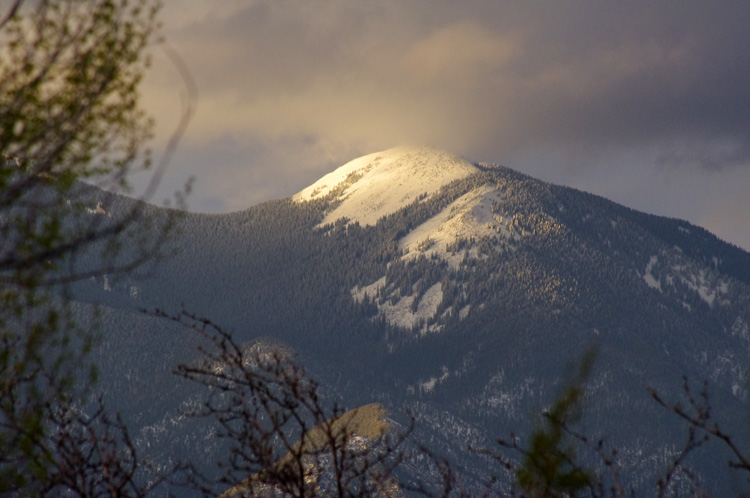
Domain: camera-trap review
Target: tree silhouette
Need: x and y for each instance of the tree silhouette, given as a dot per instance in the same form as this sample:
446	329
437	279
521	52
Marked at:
69	113
285	438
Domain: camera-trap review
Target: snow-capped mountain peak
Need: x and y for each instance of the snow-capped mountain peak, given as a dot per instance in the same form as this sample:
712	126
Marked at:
378	184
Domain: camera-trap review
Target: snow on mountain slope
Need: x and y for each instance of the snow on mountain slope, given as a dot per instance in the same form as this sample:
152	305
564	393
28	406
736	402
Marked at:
379	184
470	216
672	273
481	220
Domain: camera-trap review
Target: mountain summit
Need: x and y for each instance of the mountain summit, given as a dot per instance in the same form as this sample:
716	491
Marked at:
379	184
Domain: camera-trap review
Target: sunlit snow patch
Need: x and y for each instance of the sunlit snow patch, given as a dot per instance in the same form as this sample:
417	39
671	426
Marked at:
470	216
379	184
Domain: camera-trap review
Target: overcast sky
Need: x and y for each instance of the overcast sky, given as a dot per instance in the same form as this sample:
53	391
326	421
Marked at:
643	102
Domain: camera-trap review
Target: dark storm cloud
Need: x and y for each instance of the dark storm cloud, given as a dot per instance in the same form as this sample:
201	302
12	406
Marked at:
632	74
594	85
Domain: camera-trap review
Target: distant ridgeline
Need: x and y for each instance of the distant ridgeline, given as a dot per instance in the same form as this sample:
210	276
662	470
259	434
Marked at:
461	292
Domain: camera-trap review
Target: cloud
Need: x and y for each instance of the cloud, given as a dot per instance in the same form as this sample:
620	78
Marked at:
461	51
369	75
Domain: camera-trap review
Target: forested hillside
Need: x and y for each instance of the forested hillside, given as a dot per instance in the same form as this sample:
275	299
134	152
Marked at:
472	334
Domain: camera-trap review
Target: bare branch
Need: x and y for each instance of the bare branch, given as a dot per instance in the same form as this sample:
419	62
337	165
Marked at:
283	435
11	13
701	418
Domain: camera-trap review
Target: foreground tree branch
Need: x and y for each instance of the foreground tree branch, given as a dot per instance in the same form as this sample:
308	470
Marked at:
698	415
284	436
69	120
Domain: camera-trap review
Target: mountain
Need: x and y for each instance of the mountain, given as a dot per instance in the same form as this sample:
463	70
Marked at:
463	293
